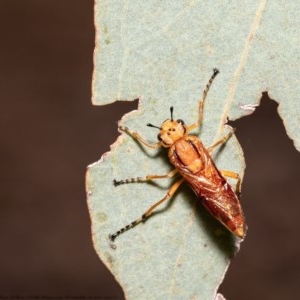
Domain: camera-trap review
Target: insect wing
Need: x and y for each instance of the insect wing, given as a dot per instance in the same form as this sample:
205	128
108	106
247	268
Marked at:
194	163
222	202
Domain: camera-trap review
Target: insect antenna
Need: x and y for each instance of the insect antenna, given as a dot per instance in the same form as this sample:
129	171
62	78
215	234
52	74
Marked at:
171	110
151	125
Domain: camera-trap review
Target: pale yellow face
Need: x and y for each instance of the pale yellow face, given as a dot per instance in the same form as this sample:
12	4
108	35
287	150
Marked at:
171	131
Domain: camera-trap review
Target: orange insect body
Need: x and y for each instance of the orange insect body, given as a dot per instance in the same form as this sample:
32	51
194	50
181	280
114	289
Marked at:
194	163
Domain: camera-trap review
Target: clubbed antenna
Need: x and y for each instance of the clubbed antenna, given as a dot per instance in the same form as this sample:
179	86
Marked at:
151	125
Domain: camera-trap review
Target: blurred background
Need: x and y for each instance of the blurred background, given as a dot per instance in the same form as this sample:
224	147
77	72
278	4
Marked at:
50	132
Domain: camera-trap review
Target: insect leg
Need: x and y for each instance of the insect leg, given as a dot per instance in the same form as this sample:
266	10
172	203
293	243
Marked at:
137	137
144	216
143	179
201	102
234	176
221	141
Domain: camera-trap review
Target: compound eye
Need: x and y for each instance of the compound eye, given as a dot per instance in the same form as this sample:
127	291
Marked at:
180	121
159	137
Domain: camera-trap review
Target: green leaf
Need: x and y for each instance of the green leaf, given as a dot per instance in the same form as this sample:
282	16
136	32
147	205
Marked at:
163	52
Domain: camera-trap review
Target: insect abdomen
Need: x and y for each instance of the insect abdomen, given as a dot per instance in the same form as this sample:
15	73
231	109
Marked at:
225	207
193	162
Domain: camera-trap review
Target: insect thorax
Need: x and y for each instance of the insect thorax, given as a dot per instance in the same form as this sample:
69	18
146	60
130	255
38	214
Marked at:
188	152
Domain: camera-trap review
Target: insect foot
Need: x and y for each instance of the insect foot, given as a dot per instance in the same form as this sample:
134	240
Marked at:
216	71
116	182
112	237
122	128
125	181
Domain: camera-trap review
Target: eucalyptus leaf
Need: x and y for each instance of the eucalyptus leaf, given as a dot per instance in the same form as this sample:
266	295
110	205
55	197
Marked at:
163	53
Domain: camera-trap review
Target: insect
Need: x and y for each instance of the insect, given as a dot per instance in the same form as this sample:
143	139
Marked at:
194	163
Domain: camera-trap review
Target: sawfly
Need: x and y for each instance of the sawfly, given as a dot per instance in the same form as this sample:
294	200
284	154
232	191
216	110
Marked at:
194	163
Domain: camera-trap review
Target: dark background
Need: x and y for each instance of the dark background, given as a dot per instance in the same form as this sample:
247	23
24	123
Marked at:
50	132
